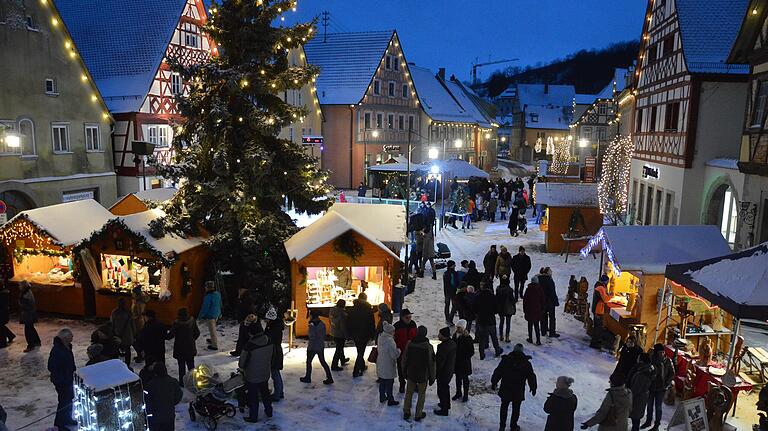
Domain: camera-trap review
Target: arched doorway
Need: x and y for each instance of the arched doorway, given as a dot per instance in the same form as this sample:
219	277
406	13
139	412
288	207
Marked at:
723	211
16	202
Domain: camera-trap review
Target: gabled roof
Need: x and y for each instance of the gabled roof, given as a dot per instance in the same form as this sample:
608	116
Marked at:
347	62
169	243
585	99
67	223
619	81
329	227
708	29
122	42
385	222
435	98
542	94
467	100
570	195
750	29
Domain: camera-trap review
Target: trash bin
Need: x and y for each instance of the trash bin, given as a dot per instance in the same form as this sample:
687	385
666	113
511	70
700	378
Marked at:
398	296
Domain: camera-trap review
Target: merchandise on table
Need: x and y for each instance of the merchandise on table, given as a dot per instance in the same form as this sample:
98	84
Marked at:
121	273
325	286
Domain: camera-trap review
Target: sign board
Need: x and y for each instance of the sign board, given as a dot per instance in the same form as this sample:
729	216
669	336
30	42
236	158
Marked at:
650	172
78	195
312	140
692	413
392	148
590	168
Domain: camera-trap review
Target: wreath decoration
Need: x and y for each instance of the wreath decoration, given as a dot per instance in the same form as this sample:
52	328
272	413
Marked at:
347	245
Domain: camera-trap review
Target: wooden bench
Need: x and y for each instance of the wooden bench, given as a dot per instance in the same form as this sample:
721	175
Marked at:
756	359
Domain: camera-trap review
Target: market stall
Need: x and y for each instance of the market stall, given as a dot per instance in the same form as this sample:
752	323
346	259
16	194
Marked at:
572	215
123	254
133	203
387	225
635	259
334	258
39	243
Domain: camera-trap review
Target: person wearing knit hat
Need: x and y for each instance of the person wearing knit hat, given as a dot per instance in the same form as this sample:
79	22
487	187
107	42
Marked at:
465	349
560	406
386	363
461	323
274	331
445	366
419	366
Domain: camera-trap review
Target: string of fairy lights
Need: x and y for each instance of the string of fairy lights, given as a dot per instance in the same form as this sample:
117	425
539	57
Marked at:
614	179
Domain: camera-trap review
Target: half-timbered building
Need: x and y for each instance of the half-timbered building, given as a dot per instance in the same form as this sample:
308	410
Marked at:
126	46
688	111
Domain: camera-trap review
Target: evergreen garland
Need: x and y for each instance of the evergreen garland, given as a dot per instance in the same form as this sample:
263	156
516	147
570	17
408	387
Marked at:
19	253
346	244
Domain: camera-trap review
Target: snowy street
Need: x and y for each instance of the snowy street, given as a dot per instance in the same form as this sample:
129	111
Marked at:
27	395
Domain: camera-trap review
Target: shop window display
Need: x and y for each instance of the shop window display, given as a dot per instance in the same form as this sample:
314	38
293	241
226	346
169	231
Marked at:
326	285
121	273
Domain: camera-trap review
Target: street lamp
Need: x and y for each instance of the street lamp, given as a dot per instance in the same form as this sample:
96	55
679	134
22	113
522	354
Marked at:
433	153
375	134
458	143
583	143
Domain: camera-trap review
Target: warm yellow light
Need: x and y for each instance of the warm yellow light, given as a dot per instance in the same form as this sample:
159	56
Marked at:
487	136
754	11
67	44
94	98
83	77
244	83
458	143
55	22
375	133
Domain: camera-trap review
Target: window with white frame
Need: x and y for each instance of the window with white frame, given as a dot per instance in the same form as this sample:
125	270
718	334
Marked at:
391	89
60	137
602	108
379	120
176	85
191	35
405	91
729	217
601	133
27	136
388	62
587	133
50	86
376	86
390	121
92	141
159	135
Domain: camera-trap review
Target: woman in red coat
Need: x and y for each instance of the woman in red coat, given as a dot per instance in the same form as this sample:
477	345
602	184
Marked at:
533	307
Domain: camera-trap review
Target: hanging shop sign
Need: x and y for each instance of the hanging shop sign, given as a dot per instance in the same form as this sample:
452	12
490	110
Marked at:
392	148
590	166
312	140
650	172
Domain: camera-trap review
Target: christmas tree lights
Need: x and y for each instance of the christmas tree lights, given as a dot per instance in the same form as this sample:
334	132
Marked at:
561	156
614	179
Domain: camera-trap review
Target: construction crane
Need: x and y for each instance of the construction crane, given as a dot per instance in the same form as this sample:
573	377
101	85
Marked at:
476	65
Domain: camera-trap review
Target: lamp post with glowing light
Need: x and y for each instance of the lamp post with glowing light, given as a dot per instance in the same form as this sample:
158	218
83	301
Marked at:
375	134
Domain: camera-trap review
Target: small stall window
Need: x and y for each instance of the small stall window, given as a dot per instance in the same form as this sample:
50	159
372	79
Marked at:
43	266
121	273
326	285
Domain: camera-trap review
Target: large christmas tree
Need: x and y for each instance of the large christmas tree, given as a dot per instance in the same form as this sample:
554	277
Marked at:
235	173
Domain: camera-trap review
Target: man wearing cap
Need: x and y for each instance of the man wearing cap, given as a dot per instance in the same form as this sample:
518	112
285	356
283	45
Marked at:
513	372
419	365
445	362
405	331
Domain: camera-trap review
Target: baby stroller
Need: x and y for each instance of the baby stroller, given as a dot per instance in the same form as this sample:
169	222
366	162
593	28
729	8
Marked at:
212	398
442	255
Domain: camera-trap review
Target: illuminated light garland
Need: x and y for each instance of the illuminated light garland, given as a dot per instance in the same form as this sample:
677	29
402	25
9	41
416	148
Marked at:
600	239
612	192
561	155
121	407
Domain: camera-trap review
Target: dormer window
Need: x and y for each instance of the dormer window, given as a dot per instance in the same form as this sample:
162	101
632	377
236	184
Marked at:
534	118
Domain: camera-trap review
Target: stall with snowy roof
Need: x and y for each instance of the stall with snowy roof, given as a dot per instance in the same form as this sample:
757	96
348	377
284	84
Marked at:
38	243
144	200
124	253
635	259
572	214
335	258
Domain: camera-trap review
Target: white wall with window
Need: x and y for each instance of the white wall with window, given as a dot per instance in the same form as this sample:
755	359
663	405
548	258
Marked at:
92	137
60	137
22	133
190	35
159	134
177	87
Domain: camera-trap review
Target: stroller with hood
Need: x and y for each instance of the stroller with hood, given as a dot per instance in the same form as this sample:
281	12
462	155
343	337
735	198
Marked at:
212	395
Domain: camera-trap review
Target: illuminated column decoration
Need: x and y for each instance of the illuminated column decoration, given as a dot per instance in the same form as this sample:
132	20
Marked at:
538	145
614	179
561	156
108	396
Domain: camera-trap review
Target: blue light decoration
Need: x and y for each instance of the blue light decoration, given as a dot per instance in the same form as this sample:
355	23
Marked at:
109	397
602	240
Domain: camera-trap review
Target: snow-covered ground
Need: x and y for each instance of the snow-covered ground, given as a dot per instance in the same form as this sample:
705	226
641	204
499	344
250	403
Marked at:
26	393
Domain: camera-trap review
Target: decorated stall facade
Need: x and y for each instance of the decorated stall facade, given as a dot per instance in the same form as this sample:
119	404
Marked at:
333	259
635	259
572	215
38	245
123	254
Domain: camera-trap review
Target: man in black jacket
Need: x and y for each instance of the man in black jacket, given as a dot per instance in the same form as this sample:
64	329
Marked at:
163	393
548	327
485	309
361	328
152	338
6	336
451	282
521	266
61	365
419	364
489	263
514	371
445	363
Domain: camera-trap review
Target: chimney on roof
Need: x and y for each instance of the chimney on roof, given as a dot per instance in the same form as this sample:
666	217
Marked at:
453	77
441	73
546	88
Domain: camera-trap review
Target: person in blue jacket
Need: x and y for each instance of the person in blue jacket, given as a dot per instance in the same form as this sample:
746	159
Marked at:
210	312
61	365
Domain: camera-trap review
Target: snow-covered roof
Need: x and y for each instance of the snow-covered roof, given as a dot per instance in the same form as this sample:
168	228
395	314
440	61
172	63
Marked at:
139	224
122	42
708	30
347	63
396	167
157	195
460	168
385	222
651	248
435	98
736	282
467	100
106	375
543	94
572	195
724	163
619	80
329	227
67	223
585	99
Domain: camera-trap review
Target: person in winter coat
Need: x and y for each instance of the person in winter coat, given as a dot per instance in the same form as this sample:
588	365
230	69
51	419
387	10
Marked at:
514	214
533	308
451	282
639	382
428	251
465	302
184	332
162	395
503	263
6	335
386	363
628	355
139	301
521	266
405	331
492	205
61	365
338	318
256	363
485	309
489	262
244	309
152	338
514	371
274	330
361	190
560	406
445	366
507	306
385	315
665	373
94	354
28	315
210	312
419	365
316	347
362	328
472	277
122	325
600	300
614	411
465	350
551	302
105	335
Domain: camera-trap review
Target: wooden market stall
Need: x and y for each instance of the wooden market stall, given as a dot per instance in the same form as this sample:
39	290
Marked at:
39	244
334	258
572	215
133	203
123	253
635	259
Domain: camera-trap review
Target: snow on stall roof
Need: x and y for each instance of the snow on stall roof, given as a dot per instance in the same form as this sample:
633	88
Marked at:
329	227
397	167
157	195
742	278
724	163
574	195
385	222
436	100
139	224
651	248
68	223
347	63
106	375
